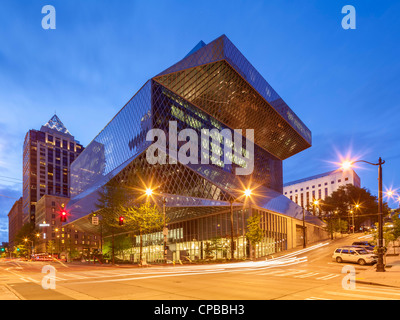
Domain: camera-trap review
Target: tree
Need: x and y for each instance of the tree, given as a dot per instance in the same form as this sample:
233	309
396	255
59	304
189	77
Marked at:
21	250
143	219
344	200
388	234
26	232
254	232
396	224
208	250
111	198
396	227
121	244
51	246
336	225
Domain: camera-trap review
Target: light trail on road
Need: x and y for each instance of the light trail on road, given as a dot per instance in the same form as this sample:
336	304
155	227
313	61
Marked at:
283	261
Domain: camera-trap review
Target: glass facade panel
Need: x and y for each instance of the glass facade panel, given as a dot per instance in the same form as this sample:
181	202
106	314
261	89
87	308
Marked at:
214	87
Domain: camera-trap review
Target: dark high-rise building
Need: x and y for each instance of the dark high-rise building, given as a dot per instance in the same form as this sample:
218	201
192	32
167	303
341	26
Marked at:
213	89
48	154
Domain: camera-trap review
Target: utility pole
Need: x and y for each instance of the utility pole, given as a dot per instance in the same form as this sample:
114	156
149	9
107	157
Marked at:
165	230
304	228
380	267
232	242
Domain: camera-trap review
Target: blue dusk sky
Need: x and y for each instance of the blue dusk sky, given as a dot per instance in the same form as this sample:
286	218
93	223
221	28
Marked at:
343	84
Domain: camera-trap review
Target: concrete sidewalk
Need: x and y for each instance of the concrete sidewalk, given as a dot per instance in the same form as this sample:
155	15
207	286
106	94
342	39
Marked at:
391	276
7	294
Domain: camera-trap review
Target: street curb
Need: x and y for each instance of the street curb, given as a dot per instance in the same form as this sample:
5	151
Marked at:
376	284
14	292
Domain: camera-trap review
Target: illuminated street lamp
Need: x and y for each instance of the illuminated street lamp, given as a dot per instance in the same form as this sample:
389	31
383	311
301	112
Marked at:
356	206
315	205
26	240
392	194
149	192
247	193
380	267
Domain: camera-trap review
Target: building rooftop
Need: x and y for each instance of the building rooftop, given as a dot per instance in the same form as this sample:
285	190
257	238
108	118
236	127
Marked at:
56	124
311	178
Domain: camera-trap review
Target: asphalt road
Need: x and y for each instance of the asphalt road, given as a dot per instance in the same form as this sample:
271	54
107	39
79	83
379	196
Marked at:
308	274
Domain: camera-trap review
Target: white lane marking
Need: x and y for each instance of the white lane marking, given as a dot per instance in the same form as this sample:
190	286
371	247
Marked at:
291	273
329	276
274	272
32	280
75	276
358	296
307	275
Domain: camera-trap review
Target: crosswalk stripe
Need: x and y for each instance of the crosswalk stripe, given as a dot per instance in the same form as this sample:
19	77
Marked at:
290	273
271	272
329	276
307	275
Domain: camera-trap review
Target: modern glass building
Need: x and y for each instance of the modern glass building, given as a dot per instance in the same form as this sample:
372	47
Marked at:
213	88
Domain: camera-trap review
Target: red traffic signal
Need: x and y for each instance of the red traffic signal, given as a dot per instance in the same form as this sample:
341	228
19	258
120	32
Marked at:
121	221
63	216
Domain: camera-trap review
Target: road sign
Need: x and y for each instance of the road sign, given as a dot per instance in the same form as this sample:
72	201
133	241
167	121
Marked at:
165	231
95	221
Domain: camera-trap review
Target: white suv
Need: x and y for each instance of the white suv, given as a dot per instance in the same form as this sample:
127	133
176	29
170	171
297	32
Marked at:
354	254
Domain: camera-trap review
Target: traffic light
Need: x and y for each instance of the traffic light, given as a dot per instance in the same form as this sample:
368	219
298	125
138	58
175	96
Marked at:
121	221
2	250
63	216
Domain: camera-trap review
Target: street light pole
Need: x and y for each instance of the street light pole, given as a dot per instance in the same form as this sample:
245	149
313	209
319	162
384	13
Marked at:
232	243
247	193
380	267
165	230
149	192
304	228
32	248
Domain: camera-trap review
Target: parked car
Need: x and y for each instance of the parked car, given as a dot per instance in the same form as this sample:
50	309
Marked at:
354	254
368	249
365	244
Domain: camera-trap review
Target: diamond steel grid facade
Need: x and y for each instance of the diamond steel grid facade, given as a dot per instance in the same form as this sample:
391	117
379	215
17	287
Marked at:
223	49
220	91
168	106
121	140
205	90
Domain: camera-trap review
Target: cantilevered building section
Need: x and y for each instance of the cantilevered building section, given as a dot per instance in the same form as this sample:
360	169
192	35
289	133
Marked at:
48	154
213	87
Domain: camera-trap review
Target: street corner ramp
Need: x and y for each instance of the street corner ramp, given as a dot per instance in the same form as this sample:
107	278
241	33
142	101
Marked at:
33	291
